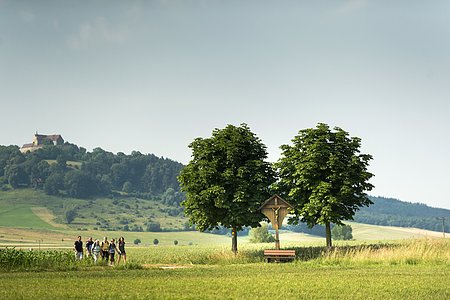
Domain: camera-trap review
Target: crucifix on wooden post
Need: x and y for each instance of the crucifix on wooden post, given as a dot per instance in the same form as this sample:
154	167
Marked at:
275	208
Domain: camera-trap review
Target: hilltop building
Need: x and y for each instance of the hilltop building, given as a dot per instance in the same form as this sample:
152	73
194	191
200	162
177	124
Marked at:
40	140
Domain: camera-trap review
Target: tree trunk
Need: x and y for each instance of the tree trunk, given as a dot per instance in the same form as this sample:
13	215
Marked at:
234	240
328	234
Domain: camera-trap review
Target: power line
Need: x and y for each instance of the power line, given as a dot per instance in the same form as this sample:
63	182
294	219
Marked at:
443	224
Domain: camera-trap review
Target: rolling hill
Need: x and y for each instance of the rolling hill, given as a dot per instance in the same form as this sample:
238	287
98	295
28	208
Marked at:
393	212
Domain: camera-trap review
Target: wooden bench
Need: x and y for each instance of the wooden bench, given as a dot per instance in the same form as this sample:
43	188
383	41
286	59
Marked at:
279	255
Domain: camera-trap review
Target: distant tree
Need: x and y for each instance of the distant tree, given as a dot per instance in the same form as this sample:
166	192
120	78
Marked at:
61	164
153	226
175	242
39	174
119	174
155	242
70	215
16	175
318	230
324	176
172	197
137	241
342	232
6	154
127	187
227	180
81	185
188	227
98	162
261	235
54	183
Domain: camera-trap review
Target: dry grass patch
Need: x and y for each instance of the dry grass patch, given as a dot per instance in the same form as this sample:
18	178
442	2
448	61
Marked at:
47	216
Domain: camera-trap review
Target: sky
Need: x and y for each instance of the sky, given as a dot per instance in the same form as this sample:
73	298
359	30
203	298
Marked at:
152	76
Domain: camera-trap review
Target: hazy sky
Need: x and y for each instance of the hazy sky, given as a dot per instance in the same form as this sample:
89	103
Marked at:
153	75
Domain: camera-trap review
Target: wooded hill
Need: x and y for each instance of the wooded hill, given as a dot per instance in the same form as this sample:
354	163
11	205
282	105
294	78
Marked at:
390	212
69	170
393	212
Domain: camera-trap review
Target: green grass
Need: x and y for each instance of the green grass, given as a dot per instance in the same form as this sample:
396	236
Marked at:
101	213
74	164
21	215
413	269
244	281
423	251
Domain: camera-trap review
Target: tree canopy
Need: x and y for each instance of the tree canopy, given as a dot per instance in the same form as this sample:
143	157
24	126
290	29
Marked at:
69	170
227	180
325	176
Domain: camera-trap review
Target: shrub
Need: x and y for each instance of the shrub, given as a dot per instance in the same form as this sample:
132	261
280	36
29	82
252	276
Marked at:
70	215
342	232
155	242
153	226
175	242
137	241
261	235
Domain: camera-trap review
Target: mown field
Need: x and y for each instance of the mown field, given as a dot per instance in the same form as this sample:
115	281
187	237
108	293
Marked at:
259	281
415	269
91	214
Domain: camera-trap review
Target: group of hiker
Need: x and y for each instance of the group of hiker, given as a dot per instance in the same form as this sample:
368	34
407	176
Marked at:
105	250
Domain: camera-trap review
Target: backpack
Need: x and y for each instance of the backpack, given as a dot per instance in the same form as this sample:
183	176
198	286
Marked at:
105	246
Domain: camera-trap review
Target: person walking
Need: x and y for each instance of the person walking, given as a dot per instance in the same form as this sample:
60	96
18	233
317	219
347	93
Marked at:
112	251
122	252
96	249
89	244
78	246
105	249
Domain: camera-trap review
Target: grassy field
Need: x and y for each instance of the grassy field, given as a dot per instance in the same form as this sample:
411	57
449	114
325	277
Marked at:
414	269
101	213
380	263
202	266
22	216
254	281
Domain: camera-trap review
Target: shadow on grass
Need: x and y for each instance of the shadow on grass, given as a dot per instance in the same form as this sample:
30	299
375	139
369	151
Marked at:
317	252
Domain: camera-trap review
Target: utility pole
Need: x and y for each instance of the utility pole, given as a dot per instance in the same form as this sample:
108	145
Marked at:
443	224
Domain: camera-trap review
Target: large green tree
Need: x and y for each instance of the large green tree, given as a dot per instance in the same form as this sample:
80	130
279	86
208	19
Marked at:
227	180
325	176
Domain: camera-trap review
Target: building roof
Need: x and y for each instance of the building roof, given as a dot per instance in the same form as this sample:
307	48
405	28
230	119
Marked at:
28	145
52	137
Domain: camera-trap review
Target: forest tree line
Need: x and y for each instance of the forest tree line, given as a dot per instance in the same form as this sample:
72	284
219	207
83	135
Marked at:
69	170
393	212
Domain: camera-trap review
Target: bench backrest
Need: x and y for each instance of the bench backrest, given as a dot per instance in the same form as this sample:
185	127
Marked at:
279	252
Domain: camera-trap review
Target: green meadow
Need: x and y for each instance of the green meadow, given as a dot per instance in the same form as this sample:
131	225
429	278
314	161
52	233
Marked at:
380	263
414	269
240	281
21	215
